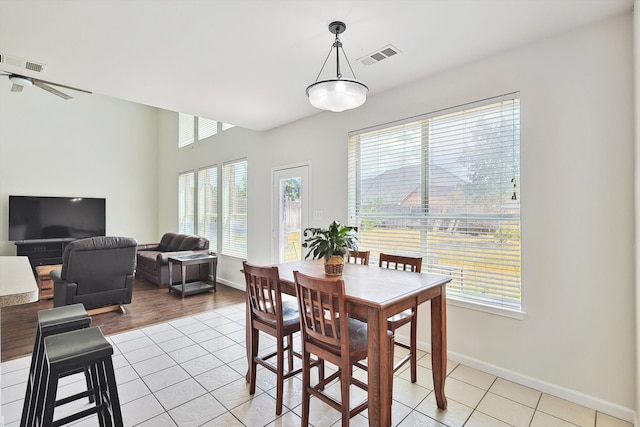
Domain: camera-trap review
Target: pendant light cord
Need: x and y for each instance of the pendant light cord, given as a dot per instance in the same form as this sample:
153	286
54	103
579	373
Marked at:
324	63
338	46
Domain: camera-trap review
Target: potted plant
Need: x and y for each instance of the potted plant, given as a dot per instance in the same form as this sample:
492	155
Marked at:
332	244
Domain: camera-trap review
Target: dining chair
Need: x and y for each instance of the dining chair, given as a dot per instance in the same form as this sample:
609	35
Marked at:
358	257
331	335
275	317
413	264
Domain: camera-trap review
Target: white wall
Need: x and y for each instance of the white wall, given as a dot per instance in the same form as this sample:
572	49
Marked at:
577	216
91	146
577	339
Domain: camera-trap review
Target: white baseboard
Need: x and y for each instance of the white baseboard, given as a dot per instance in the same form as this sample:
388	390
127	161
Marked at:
238	286
596	403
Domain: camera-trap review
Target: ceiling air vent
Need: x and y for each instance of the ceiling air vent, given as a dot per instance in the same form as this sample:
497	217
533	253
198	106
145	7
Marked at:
379	55
24	64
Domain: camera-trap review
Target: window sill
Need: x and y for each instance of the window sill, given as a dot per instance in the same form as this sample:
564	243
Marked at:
232	256
505	312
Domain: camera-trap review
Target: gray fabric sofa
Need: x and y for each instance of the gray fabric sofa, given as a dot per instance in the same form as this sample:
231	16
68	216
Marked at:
153	264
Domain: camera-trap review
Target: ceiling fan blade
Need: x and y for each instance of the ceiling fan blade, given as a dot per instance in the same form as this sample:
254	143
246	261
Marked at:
48	88
16	88
66	87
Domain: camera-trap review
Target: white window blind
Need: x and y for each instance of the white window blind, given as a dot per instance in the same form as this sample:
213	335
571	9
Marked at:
234	209
206	128
186	129
445	186
186	202
226	126
208	205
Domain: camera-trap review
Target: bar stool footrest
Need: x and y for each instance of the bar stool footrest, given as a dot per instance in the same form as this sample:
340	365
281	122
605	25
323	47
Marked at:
77	416
64	401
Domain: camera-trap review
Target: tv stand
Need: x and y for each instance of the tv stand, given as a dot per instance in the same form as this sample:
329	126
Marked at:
42	252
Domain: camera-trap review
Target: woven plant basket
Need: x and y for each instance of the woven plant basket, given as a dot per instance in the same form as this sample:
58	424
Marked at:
334	266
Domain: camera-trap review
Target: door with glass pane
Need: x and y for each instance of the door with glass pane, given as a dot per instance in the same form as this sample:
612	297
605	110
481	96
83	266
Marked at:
291	212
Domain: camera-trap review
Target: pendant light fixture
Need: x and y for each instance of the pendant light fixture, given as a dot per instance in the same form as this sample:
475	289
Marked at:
337	94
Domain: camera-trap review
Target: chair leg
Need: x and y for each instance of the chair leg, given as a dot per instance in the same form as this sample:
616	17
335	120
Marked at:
112	391
49	401
35	415
306	384
280	376
391	371
414	345
345	380
96	386
321	372
255	334
31	392
290	345
88	380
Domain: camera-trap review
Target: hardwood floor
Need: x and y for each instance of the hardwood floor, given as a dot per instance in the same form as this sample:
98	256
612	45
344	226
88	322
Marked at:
150	305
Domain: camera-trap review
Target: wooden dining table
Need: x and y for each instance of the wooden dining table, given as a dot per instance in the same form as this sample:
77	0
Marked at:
379	293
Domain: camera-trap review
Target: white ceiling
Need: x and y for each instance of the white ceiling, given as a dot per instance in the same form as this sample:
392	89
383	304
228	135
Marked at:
248	62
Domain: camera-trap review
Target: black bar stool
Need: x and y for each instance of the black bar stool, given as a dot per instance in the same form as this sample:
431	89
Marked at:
73	351
50	322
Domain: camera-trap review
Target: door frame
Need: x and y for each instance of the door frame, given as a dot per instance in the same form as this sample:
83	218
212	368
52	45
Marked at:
306	203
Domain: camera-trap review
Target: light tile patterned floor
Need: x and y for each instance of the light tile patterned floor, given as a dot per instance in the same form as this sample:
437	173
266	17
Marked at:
190	372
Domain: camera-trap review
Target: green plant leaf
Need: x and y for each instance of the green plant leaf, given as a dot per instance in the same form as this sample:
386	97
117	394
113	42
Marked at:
337	239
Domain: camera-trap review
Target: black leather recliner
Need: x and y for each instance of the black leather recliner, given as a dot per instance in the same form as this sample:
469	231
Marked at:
96	272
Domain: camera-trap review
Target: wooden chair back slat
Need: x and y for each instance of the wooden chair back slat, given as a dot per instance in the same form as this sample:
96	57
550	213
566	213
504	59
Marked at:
263	292
320	302
398	262
358	257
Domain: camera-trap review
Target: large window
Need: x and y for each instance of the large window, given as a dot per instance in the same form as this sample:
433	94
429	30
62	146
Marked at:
186	202
234	208
445	186
207	217
198	214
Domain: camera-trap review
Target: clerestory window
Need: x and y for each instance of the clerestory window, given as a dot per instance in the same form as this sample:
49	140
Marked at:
194	128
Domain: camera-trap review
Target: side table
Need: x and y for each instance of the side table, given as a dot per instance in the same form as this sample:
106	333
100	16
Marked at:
192	287
45	284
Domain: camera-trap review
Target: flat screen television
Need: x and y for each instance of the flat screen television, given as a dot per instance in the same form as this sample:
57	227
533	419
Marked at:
43	218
